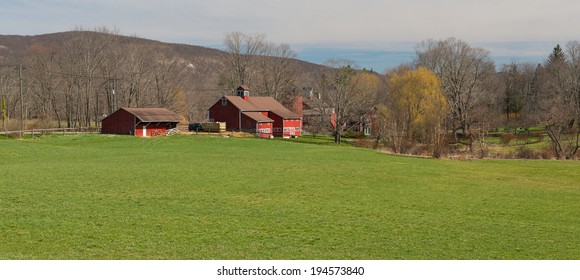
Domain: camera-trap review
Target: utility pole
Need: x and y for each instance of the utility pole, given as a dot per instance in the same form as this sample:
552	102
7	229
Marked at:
114	97
19	68
22	126
3	104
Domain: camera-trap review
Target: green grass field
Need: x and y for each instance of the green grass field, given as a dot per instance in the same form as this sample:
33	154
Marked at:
204	197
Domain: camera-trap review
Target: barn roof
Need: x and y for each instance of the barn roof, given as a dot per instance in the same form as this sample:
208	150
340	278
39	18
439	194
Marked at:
261	104
272	105
153	114
241	104
257	116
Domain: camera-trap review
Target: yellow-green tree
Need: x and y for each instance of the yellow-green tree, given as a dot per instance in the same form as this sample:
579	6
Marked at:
415	109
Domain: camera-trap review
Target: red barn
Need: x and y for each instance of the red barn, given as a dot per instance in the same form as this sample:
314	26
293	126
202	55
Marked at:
261	115
144	122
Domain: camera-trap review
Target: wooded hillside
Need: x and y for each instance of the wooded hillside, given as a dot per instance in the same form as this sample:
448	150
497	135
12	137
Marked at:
74	78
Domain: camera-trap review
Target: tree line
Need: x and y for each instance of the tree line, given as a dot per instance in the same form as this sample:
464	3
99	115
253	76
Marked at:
87	76
451	92
520	95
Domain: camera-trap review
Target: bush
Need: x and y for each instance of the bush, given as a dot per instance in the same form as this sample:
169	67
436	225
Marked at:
483	152
355	135
526	153
365	143
506	138
547	153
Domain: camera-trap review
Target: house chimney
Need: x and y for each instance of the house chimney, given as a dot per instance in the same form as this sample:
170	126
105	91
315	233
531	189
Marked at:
243	92
297	106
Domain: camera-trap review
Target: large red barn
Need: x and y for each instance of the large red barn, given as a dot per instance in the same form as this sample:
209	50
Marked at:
144	122
261	115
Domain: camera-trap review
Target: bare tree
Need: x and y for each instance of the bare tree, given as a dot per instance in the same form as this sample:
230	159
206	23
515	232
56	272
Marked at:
350	93
464	72
45	83
518	91
85	56
268	68
277	70
561	100
241	61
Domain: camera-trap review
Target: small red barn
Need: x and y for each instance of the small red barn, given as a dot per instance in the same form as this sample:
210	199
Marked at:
144	122
261	115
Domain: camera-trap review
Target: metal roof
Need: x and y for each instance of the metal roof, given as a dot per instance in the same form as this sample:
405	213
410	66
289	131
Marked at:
272	105
153	114
261	104
257	116
242	104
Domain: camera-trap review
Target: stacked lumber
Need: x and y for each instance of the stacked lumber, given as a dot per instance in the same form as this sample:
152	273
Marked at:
214	127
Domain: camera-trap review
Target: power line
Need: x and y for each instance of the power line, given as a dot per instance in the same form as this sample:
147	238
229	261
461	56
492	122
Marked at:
85	76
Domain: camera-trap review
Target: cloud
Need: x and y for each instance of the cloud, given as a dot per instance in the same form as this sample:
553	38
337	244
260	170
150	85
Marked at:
348	24
302	21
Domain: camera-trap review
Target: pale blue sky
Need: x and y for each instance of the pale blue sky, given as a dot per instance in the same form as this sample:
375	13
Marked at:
368	30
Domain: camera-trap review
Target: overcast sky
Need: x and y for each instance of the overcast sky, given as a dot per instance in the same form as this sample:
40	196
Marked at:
516	28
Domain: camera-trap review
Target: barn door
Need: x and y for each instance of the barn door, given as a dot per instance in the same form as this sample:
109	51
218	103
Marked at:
144	131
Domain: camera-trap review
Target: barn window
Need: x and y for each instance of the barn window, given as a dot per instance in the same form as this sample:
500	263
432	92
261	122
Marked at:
224	102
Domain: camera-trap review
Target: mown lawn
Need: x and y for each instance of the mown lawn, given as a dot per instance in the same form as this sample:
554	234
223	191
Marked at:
203	197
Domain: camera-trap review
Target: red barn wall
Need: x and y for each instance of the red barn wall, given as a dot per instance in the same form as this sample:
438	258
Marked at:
151	129
248	124
277	127
285	127
120	122
228	114
292	127
265	129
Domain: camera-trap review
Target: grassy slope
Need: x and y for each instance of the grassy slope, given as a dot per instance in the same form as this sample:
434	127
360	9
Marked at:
198	197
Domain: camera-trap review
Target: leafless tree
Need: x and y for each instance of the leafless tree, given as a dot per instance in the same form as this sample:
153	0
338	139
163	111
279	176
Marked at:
85	56
464	72
518	92
241	58
268	68
561	101
45	83
276	71
350	93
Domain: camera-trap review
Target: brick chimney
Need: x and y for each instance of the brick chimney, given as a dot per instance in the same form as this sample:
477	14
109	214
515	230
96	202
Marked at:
297	106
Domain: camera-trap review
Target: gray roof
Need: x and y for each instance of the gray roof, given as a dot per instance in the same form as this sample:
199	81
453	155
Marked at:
154	114
257	116
262	104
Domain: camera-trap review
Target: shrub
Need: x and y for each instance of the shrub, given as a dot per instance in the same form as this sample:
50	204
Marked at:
506	138
547	153
365	143
526	153
483	152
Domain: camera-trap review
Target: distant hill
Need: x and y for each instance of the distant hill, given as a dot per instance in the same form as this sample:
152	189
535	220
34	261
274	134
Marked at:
16	45
203	85
14	48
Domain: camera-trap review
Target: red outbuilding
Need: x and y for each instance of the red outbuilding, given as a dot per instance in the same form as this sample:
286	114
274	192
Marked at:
144	122
263	116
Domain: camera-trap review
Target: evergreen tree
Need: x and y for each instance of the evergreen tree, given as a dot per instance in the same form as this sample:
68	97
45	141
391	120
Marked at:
557	55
